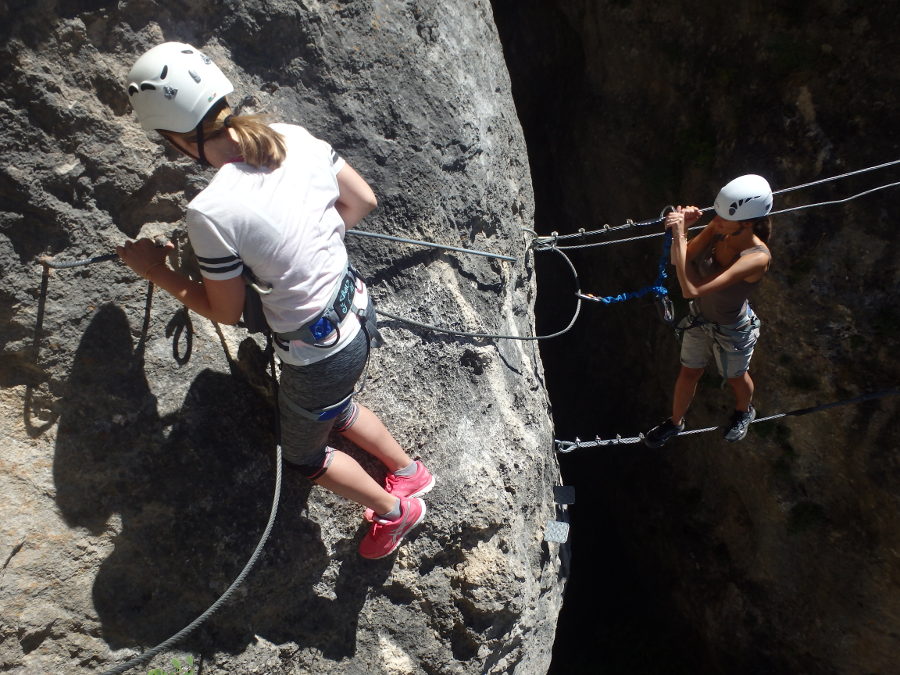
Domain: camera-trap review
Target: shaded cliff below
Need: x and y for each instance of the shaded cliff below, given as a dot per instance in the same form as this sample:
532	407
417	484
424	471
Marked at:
138	452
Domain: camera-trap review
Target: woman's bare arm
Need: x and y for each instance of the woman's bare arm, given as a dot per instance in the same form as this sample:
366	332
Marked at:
356	200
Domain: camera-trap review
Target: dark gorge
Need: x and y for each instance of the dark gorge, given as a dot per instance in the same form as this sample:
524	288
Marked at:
776	554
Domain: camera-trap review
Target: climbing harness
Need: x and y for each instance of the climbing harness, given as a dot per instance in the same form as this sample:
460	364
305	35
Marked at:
663	302
566	447
328	322
253	319
691	320
656	288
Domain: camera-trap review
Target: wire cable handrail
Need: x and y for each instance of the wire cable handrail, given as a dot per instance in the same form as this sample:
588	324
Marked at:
566	447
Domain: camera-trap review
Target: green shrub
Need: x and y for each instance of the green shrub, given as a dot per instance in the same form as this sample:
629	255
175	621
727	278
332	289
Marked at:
186	668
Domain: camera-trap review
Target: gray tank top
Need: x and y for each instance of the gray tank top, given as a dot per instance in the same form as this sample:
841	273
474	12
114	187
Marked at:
728	305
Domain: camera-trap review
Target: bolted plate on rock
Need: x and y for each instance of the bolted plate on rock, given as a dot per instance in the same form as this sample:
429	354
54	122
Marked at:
564	494
556	531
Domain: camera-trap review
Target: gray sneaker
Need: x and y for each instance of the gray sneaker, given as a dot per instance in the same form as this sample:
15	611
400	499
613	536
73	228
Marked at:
740	423
658	435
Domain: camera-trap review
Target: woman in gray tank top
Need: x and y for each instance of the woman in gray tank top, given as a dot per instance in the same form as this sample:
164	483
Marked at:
718	269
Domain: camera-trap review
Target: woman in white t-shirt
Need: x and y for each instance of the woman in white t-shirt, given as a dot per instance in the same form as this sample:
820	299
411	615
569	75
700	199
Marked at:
276	211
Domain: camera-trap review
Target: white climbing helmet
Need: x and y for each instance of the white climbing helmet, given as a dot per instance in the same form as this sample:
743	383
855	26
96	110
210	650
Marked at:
173	86
744	198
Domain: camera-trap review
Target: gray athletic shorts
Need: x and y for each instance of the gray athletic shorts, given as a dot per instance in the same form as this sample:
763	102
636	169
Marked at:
304	441
731	346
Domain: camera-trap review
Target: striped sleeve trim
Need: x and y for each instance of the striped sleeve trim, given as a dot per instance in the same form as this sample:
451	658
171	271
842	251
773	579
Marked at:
219	265
335	158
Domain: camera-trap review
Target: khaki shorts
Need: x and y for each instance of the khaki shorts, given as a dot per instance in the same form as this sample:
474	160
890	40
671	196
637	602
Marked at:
731	346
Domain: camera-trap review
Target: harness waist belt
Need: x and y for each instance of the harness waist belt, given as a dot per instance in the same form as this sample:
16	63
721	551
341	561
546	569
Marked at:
697	319
328	321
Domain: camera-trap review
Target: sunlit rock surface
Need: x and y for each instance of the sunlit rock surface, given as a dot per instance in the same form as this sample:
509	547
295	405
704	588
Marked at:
138	454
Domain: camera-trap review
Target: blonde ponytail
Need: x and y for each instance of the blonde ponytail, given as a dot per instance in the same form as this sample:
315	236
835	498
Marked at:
261	146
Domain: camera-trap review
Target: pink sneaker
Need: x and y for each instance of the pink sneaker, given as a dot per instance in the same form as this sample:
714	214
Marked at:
385	536
410	486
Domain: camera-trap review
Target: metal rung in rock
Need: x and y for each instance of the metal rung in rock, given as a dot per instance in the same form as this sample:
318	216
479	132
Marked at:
564	494
557	531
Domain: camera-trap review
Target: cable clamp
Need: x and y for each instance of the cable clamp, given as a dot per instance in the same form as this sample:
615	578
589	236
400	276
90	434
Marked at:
542	243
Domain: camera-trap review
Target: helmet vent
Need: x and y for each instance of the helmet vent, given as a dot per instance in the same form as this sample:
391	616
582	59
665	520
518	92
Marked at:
132	90
194	76
187	51
165	71
734	205
146	85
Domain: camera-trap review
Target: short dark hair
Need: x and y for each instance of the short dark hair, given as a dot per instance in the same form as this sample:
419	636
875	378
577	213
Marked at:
762	227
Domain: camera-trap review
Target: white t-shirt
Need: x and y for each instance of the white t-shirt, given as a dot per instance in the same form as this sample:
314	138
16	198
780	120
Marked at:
283	225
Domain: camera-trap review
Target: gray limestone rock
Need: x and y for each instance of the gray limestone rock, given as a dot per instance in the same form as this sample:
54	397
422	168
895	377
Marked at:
138	447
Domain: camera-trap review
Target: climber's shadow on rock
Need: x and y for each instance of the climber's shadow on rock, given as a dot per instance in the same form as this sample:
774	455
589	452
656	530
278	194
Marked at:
188	499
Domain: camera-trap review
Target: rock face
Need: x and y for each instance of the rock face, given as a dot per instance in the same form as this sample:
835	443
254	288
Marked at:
778	554
138	453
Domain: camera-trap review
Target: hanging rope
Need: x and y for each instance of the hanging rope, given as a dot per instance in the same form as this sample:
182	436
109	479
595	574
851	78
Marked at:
47	264
657	288
664	305
50	262
833	178
187	630
492	336
566	447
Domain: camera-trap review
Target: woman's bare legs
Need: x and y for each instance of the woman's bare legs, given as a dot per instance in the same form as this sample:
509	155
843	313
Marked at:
369	433
743	391
347	478
685	388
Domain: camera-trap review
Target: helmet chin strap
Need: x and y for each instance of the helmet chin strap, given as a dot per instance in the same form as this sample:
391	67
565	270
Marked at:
200	152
